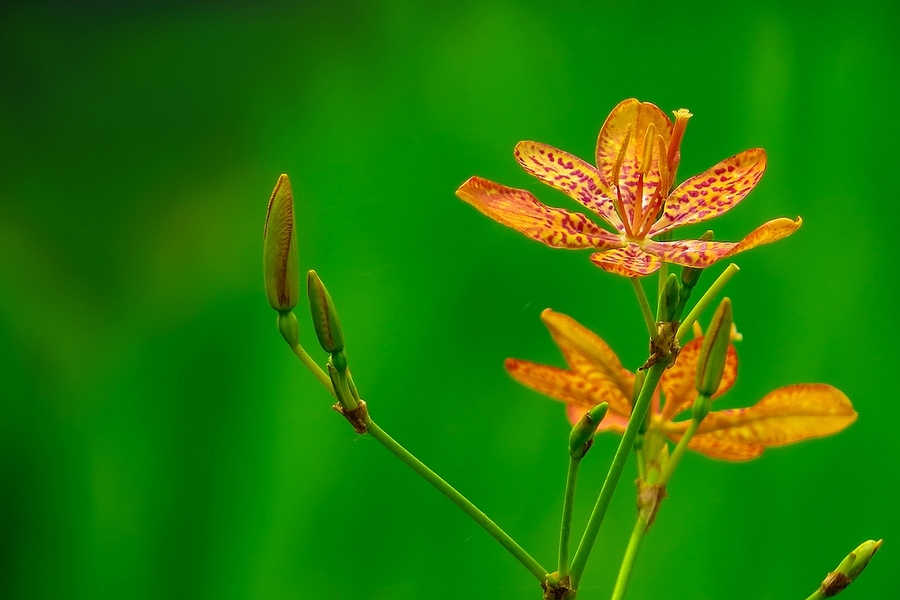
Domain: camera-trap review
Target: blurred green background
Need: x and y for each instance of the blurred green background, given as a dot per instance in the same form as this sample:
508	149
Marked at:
157	438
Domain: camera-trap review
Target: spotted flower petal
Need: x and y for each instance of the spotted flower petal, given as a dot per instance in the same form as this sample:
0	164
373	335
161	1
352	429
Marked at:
520	210
787	415
624	133
570	175
768	232
629	261
713	192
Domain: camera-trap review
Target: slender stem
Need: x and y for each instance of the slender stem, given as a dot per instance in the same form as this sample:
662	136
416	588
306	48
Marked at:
313	367
565	528
461	501
615	472
678	452
817	595
645	306
634	544
707	297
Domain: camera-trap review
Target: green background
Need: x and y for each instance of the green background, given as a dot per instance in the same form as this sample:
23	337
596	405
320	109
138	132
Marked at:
157	438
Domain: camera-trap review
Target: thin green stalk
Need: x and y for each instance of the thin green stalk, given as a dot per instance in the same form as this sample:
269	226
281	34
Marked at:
646	311
634	544
704	301
313	367
615	472
565	528
817	595
461	501
678	452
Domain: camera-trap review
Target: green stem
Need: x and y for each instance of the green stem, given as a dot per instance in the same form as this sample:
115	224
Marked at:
615	471
704	301
678	452
565	528
817	595
634	544
313	367
461	501
646	311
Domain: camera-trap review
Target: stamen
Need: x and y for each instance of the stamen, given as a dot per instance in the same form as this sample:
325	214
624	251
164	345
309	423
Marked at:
617	173
620	157
674	155
659	195
647	158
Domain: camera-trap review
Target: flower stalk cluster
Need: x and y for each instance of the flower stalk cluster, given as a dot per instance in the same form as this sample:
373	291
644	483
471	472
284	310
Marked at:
661	409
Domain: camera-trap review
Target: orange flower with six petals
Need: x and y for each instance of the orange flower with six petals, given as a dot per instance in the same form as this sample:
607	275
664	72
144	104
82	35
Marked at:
784	416
638	151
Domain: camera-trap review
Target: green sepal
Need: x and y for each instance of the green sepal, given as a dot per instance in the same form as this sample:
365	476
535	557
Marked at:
324	316
701	408
280	263
849	569
714	350
289	328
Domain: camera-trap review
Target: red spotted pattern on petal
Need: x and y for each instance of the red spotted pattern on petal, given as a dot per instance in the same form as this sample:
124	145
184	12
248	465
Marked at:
713	192
629	261
521	211
571	175
787	415
612	135
689	253
589	356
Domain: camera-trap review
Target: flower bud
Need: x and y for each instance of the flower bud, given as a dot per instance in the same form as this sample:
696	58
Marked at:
280	249
714	350
849	569
324	316
583	433
668	300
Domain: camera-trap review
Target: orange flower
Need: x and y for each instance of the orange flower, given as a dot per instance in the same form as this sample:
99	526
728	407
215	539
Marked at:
787	415
638	152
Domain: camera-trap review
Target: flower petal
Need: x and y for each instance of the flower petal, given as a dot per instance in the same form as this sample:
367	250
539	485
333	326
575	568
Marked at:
629	261
690	253
521	211
713	192
613	134
724	449
559	384
678	381
768	232
592	359
570	175
787	415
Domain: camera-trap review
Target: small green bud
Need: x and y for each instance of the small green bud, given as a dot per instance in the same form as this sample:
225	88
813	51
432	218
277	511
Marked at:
583	433
324	316
668	300
280	249
714	350
849	569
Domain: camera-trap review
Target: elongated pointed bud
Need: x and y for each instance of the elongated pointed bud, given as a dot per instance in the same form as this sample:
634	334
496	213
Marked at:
583	433
711	363
280	249
324	316
849	569
668	301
